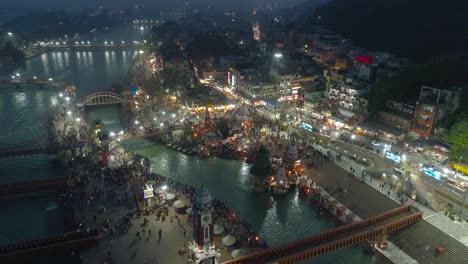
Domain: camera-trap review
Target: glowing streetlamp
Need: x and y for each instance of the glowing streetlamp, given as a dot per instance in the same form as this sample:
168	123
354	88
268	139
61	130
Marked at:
67	99
78	119
69	113
10	34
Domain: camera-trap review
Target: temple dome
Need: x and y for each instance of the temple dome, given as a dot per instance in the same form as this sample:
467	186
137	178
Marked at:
292	153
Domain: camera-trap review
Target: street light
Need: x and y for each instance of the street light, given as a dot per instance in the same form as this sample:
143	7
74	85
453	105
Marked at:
10	34
17	74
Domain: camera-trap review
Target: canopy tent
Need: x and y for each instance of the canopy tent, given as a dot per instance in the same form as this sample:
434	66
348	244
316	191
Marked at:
229	240
236	253
218	229
170	196
179	204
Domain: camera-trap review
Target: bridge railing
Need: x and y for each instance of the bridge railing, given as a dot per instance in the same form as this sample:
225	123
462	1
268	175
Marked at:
54	180
351	240
315	239
77	236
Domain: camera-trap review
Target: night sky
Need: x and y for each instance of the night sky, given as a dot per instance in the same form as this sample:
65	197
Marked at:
74	4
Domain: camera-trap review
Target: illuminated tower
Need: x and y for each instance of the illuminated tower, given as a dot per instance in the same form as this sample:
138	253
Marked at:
202	250
256	31
207	119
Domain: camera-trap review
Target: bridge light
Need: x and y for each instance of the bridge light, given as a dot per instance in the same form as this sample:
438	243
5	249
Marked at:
123	42
12	76
88	42
10	34
17	74
50	79
35	77
82	42
105	42
76	42
64	43
112	42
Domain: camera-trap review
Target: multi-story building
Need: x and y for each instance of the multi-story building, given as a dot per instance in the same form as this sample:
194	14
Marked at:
434	105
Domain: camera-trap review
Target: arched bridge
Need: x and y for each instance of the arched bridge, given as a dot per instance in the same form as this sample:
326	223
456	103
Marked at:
337	238
33	186
16	252
101	98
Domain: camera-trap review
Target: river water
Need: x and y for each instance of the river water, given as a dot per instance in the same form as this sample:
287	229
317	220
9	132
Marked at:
23	116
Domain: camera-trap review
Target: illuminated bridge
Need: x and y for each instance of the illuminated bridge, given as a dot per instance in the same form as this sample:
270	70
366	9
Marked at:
56	85
303	249
101	98
86	47
20	251
33	186
36	146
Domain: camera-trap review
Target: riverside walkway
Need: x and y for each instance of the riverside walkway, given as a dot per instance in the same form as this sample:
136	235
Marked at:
300	250
33	186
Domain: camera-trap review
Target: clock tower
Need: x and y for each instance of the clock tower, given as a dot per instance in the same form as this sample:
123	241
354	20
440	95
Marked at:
202	250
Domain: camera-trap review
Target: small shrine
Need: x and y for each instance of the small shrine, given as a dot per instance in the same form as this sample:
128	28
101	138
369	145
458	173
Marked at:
292	161
240	119
280	183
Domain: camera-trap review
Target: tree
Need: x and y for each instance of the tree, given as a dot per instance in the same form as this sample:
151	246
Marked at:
222	125
458	136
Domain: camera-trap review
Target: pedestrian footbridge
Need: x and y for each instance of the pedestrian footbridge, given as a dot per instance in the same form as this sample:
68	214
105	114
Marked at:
337	238
34	147
16	252
33	186
101	98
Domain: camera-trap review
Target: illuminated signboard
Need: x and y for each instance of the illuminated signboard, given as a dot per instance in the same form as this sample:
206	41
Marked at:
306	126
148	191
364	59
392	156
429	171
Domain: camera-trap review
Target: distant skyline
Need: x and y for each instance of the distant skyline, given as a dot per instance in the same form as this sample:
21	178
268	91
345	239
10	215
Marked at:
73	4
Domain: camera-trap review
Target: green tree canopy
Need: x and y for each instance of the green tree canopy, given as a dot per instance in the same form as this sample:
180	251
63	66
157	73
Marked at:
458	136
